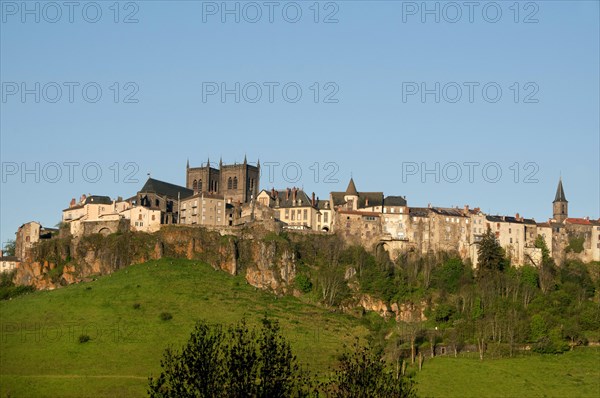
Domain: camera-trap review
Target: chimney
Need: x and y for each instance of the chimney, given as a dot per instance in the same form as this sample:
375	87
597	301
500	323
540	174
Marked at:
313	199
1	253
82	199
367	202
73	203
517	217
287	194
294	192
273	192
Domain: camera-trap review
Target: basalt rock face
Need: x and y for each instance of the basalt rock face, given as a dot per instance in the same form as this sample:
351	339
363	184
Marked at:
266	264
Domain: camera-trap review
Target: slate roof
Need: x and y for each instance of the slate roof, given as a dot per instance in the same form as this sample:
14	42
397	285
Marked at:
418	212
166	189
448	211
351	190
286	200
394	201
560	193
323	205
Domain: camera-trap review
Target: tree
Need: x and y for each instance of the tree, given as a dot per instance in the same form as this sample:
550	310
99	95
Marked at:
362	373
547	268
9	248
235	362
491	256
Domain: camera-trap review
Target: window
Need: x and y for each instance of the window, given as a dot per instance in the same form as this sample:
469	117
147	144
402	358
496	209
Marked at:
139	216
294	215
157	202
510	240
318	218
199	185
235	183
195	185
305	214
326	217
287	213
229	183
153	217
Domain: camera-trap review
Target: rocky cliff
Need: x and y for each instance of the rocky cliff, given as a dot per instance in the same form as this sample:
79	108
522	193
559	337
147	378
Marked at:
267	263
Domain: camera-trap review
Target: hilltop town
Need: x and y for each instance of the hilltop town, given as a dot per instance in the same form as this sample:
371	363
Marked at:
227	197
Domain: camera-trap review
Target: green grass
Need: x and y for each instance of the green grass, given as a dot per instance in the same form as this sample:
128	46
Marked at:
41	354
573	374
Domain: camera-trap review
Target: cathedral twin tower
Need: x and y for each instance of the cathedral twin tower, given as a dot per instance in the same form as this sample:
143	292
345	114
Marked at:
236	183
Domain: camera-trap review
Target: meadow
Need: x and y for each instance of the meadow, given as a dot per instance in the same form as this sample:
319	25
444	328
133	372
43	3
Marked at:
572	374
41	354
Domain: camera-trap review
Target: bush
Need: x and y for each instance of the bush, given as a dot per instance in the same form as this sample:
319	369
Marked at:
235	362
303	283
84	338
8	292
137	306
575	245
165	316
362	373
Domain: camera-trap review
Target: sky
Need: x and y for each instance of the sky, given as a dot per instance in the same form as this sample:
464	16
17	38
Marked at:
448	103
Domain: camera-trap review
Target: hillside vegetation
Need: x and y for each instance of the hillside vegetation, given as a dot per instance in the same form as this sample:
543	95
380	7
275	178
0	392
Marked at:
126	316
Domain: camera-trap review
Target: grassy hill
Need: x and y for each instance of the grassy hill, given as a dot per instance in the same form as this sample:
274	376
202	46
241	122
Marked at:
573	374
41	354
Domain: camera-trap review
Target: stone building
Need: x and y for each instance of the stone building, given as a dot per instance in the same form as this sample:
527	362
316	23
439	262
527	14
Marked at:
8	263
237	183
293	207
91	211
28	235
324	215
353	200
560	205
206	209
163	196
142	219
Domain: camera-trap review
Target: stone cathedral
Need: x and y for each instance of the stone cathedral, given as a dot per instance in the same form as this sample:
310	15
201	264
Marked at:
237	183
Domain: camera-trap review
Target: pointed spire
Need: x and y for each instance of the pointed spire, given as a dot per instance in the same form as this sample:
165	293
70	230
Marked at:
258	163
245	161
187	166
208	162
560	192
351	190
221	162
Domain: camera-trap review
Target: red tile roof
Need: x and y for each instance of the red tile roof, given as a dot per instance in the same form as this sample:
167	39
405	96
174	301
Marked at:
580	221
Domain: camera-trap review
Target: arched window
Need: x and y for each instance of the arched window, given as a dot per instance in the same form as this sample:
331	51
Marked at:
235	182
199	185
195	186
251	183
229	183
157	202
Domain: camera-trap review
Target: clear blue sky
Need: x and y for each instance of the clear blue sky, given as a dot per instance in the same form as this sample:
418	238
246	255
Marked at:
374	55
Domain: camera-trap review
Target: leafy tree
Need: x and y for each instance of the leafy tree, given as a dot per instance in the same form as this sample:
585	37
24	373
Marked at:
362	373
235	362
547	268
448	277
9	248
490	255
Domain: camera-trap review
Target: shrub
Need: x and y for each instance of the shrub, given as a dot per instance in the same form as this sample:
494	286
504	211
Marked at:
235	362
303	283
84	338
137	306
575	245
362	373
165	316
